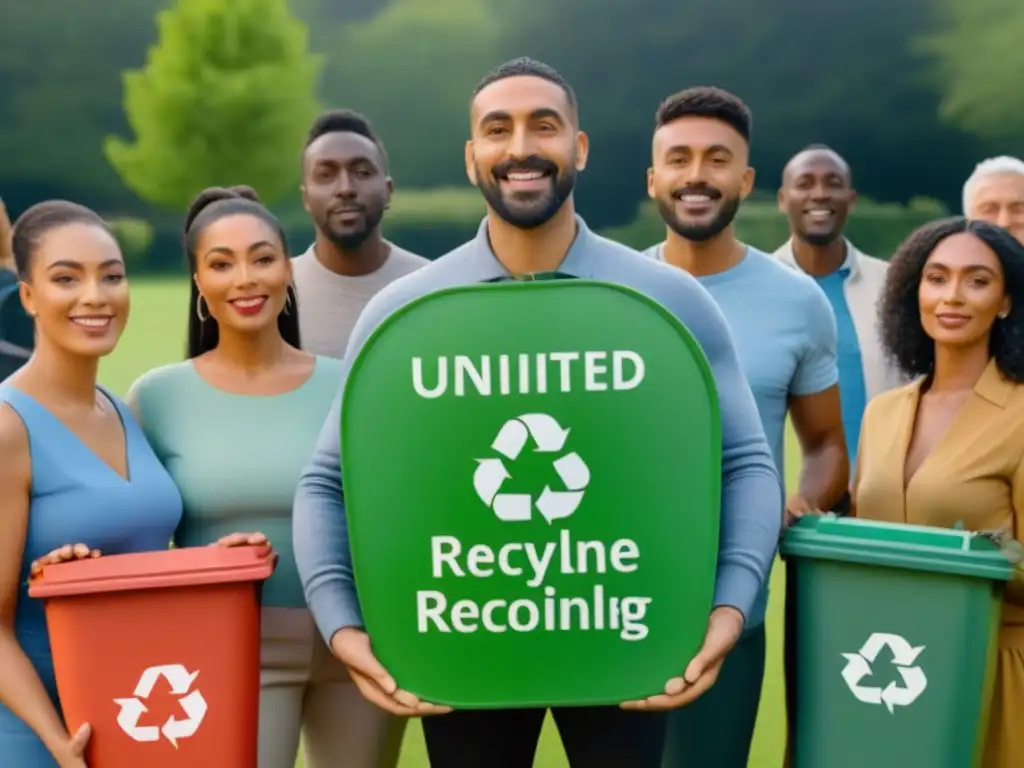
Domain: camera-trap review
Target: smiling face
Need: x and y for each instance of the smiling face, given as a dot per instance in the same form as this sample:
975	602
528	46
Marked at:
816	195
962	292
242	272
525	150
699	176
77	289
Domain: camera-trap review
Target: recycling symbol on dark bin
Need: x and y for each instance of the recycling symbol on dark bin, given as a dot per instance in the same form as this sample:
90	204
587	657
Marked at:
858	667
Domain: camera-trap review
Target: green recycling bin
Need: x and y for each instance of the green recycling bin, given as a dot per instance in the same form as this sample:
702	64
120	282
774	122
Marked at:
893	639
532	476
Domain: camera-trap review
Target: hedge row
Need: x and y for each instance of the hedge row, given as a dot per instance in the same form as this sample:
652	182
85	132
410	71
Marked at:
876	229
433	222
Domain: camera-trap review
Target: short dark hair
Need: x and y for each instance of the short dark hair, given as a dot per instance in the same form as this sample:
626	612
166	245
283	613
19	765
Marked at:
706	101
345	121
210	205
524	66
36	221
903	336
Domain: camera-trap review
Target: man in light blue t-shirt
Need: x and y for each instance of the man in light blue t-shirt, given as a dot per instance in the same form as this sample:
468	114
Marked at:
785	333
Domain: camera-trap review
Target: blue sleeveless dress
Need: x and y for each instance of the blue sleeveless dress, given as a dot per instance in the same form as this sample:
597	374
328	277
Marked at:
76	497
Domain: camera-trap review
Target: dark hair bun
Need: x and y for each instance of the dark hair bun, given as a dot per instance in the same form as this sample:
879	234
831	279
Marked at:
212	195
246	192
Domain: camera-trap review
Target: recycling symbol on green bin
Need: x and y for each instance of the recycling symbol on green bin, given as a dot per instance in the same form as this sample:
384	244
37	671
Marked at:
858	666
547	436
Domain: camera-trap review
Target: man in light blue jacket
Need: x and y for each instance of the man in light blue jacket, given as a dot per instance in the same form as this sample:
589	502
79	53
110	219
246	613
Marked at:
524	154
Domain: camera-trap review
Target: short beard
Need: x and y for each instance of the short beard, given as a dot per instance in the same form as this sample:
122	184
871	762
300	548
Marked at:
538	212
698	233
350	241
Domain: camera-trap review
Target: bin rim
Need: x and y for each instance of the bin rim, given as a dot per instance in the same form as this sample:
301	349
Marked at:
829	537
163	569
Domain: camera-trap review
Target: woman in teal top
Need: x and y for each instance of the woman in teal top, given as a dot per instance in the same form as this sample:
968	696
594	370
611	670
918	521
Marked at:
75	470
234	424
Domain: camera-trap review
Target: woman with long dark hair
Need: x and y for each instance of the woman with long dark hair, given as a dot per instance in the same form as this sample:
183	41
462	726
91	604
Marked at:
949	448
77	477
234	424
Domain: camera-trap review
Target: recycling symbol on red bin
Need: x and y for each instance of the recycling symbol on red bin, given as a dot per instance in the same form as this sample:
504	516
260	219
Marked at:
192	704
548	437
858	666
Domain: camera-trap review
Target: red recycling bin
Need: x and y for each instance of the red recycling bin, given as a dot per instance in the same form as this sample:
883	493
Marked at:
160	653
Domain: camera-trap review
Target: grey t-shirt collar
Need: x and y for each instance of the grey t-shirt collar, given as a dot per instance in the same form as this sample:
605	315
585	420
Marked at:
485	266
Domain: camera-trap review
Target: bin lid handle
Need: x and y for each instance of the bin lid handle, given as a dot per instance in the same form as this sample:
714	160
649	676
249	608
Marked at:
834	521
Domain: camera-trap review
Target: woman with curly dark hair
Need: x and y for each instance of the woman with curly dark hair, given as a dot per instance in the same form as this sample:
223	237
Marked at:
949	447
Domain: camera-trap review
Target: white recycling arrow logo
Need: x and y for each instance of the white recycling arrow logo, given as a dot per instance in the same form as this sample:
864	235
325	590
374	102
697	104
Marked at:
858	666
549	437
193	704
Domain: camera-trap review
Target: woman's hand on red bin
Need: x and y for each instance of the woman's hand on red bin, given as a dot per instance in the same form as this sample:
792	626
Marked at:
352	647
241	540
62	555
74	753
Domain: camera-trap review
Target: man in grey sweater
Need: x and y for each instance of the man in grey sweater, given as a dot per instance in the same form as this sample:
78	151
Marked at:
345	188
525	152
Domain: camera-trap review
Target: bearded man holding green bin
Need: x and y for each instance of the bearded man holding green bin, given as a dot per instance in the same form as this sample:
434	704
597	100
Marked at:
524	154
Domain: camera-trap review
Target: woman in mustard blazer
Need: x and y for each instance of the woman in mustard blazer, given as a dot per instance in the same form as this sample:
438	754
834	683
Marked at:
949	447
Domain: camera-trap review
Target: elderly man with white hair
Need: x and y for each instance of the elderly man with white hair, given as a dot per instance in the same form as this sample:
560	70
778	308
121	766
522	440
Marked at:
995	193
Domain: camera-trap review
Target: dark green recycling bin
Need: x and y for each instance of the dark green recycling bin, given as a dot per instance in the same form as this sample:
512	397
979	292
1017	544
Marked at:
532	476
893	642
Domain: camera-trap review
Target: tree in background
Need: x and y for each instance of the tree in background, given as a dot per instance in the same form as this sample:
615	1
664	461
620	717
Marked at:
979	58
226	97
60	73
833	72
410	68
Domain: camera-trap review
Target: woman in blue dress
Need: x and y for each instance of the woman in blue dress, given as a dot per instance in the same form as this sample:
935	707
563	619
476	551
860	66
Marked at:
76	466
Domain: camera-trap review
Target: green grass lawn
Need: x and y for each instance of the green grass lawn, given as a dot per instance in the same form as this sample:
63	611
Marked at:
156	336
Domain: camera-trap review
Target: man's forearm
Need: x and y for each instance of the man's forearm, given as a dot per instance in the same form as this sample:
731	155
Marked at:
752	506
320	537
752	496
824	476
752	499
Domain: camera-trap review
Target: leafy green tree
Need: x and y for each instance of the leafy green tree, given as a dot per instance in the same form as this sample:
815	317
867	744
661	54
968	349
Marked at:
979	57
60	73
226	97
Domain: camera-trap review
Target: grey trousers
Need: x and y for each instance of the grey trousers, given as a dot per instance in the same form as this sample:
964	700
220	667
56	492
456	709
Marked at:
305	691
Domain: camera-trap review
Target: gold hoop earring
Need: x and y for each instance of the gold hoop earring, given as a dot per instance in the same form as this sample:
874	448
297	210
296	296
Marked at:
199	309
288	299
